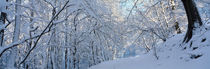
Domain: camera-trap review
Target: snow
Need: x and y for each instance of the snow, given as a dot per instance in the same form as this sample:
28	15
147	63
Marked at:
172	55
199	4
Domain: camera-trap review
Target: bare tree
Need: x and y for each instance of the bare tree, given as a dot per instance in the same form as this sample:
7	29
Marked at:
176	23
3	17
2	22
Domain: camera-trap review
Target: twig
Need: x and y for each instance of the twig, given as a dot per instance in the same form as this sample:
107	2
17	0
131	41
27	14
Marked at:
43	33
132	9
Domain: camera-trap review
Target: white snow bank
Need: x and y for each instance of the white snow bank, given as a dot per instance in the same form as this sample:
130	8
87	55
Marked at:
172	55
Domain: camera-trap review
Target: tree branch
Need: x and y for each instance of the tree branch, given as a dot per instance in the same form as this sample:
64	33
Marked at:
43	32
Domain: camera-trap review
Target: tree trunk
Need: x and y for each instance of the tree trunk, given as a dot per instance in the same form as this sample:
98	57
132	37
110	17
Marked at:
66	43
2	22
194	20
14	53
3	17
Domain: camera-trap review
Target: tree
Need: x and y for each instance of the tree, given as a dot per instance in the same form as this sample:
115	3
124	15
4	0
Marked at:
14	53
176	23
3	17
194	20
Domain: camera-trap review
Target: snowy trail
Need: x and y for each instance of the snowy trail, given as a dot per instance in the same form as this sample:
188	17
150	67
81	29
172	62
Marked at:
171	56
149	62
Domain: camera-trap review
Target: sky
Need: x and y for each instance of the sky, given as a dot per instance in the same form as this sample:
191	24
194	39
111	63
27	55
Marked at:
127	5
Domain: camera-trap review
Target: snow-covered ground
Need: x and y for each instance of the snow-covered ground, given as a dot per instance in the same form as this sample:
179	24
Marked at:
172	55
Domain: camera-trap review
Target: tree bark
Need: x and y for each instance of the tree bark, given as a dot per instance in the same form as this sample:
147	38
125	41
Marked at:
3	16
14	53
2	22
194	20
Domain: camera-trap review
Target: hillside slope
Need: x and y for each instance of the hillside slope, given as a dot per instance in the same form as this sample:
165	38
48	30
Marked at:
172	55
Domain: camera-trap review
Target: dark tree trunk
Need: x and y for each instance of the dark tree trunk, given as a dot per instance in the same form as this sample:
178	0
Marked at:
3	17
178	31
193	18
2	22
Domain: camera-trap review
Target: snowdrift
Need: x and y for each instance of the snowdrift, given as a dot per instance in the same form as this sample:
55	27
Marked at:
173	54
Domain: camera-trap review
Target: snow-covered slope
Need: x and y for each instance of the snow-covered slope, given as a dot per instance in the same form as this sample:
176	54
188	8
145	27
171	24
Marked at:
172	55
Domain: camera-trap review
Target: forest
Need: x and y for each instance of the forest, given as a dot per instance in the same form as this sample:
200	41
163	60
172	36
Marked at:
104	34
